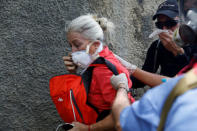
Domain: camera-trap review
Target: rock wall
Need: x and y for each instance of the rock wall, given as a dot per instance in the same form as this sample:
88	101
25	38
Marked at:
32	43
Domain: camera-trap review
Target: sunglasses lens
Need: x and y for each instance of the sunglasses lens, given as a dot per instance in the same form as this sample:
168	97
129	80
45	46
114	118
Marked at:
159	25
172	23
168	24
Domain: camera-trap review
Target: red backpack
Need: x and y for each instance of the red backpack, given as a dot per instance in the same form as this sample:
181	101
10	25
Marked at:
69	94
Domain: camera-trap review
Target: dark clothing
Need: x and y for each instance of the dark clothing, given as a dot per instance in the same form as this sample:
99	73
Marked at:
170	64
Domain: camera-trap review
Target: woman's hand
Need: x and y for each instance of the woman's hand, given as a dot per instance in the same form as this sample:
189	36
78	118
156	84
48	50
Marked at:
79	127
70	66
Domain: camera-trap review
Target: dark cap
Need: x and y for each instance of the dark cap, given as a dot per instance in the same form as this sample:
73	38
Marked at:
167	8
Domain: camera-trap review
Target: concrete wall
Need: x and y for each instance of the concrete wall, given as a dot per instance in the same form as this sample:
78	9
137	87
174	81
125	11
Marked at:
32	43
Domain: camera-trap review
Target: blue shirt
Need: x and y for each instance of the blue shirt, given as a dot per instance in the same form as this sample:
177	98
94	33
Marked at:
144	115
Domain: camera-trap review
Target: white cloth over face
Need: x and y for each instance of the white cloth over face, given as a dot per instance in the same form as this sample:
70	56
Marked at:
157	32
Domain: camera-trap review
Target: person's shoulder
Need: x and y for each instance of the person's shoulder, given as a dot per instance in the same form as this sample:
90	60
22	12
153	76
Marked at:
183	103
101	70
154	44
190	46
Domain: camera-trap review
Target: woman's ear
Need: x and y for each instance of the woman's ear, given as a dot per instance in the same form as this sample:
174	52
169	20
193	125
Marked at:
95	45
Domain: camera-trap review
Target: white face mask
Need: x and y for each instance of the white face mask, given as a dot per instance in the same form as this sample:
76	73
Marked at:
83	59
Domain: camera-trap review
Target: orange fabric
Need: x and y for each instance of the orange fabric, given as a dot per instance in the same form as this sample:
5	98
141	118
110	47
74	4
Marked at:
101	93
60	87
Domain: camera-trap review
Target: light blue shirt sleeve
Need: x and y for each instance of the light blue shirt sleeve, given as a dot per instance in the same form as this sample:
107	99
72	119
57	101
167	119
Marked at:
144	115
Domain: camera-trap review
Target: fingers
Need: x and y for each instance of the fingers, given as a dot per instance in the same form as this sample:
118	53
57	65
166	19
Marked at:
70	66
169	44
166	39
165	36
118	80
76	123
79	126
67	58
68	62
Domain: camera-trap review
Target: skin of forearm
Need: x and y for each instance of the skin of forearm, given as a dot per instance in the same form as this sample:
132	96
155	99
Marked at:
148	78
120	103
106	124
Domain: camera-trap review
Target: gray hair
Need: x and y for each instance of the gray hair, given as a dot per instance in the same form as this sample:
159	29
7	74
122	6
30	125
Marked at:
92	27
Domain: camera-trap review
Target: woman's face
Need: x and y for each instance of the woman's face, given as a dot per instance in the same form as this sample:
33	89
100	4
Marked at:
77	41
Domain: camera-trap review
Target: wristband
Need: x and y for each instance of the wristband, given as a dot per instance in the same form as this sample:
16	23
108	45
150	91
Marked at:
124	89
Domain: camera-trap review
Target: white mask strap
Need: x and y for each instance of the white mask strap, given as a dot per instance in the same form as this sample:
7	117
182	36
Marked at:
88	47
97	51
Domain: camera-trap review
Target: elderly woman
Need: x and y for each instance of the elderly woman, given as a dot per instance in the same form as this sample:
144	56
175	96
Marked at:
88	35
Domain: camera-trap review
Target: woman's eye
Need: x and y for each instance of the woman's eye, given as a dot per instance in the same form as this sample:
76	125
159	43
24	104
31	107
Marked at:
77	45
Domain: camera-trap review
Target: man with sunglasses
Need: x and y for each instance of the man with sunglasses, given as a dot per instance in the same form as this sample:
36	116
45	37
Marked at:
170	106
164	52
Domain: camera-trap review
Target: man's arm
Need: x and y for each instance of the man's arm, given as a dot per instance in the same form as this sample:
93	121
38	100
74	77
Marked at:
120	103
120	83
148	78
106	124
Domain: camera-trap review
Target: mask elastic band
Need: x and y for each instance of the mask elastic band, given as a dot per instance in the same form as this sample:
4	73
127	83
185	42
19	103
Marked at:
88	47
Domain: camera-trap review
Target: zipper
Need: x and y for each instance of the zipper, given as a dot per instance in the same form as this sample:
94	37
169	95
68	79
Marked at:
72	104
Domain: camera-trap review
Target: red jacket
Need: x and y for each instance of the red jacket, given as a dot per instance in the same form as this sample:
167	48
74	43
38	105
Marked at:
101	93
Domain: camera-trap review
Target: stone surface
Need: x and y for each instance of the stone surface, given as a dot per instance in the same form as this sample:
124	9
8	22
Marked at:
32	43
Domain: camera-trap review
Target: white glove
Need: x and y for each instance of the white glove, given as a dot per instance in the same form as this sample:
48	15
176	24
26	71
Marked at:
130	67
119	79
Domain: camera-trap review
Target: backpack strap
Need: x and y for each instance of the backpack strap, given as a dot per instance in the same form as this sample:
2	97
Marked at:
156	55
102	60
189	81
87	75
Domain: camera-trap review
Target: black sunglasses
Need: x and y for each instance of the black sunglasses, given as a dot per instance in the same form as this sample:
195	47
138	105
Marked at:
169	24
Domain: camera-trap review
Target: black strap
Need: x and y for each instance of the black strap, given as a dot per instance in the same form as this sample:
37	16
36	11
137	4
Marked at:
87	75
95	109
155	56
111	66
87	78
102	115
